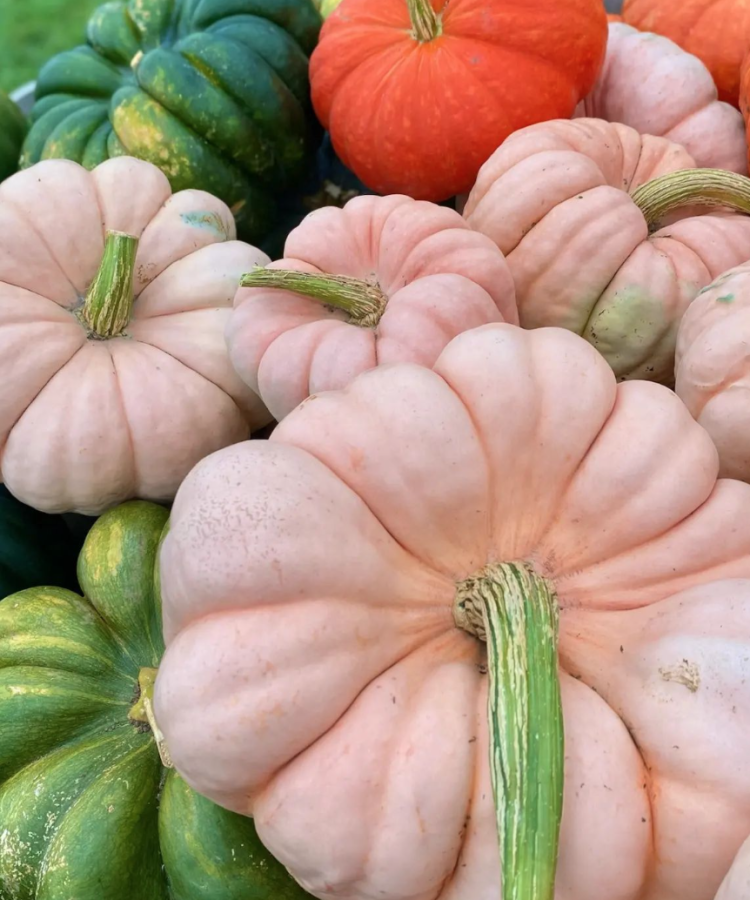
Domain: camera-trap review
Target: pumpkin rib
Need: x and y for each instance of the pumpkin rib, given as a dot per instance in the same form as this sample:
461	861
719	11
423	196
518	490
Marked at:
21	212
128	430
227	160
583	228
651	349
184	366
51	844
262	127
289	108
716	568
47	382
296	83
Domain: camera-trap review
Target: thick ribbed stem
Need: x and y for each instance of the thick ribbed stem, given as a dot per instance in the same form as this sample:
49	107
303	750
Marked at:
515	611
109	301
426	23
142	712
699	187
363	302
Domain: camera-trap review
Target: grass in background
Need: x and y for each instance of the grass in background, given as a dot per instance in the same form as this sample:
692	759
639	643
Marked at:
33	30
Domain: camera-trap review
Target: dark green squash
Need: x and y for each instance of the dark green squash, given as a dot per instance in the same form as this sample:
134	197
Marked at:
35	548
87	810
12	133
214	92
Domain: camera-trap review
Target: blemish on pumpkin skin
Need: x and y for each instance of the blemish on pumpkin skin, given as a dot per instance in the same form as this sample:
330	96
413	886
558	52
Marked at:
207	221
685	673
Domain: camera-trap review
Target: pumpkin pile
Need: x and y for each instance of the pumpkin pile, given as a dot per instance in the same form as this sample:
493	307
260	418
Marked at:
375	455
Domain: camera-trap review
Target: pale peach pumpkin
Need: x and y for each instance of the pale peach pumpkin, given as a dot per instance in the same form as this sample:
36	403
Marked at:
570	204
318	675
651	84
712	372
736	886
114	295
400	278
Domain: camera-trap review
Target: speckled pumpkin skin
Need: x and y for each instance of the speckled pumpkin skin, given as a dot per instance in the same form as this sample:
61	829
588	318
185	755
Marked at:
214	92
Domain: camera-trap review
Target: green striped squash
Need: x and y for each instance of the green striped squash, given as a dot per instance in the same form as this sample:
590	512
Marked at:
35	548
12	133
214	92
87	809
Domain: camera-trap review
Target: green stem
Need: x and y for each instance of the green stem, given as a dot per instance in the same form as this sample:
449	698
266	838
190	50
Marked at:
515	611
142	711
701	187
109	301
426	23
364	302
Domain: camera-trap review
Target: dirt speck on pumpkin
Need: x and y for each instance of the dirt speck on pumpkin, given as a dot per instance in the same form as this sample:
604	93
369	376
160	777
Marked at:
685	673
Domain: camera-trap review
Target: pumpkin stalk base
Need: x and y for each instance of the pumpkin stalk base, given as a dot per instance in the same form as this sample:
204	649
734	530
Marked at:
426	23
699	187
515	611
142	712
109	300
363	302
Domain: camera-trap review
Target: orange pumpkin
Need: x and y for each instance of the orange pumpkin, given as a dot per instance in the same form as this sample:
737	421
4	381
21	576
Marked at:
716	31
417	94
745	99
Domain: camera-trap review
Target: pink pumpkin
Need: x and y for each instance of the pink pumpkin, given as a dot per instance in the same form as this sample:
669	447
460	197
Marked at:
326	598
114	297
712	370
651	84
383	280
572	204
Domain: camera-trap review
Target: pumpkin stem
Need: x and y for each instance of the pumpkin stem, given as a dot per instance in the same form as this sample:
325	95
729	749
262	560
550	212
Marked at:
426	23
109	301
701	187
143	711
515	611
364	302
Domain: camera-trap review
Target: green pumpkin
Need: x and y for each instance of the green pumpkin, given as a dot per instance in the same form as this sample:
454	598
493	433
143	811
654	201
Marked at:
214	92
87	809
12	133
35	548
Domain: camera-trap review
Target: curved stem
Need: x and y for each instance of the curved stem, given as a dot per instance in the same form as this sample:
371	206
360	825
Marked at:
515	611
109	301
142	712
427	24
702	187
364	302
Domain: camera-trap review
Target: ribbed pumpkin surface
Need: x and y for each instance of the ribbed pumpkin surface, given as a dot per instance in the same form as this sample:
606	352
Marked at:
214	92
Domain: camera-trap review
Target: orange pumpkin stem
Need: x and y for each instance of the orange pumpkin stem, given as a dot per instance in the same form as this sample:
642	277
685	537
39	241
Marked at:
109	300
426	23
515	611
363	302
699	187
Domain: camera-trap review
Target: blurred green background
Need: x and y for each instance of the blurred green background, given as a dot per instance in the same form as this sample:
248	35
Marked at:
33	30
